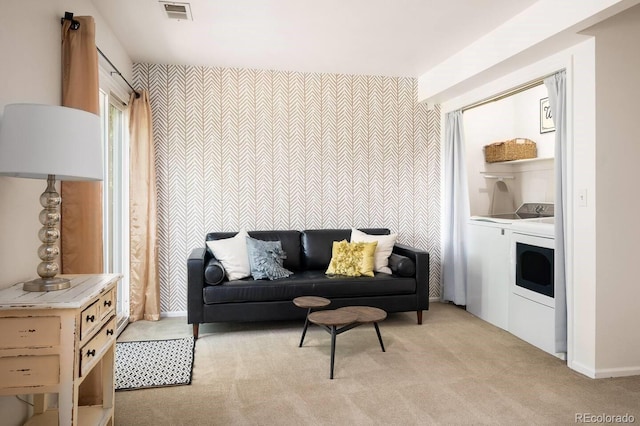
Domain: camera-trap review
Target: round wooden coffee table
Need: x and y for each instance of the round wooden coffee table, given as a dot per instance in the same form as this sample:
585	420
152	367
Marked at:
367	315
331	320
309	303
344	319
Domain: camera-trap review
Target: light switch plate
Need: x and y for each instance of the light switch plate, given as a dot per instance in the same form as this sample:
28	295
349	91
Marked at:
582	198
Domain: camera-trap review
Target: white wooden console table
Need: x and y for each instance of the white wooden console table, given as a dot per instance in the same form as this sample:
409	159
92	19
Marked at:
52	342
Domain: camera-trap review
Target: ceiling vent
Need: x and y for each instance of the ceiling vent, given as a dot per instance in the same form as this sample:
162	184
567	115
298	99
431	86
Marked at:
178	11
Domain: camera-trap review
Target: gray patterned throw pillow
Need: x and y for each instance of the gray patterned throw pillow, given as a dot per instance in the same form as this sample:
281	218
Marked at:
265	259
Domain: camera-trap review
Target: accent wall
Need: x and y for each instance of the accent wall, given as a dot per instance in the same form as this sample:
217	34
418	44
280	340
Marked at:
287	150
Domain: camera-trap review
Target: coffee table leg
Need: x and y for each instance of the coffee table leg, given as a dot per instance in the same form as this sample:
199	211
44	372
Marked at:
375	324
333	348
304	330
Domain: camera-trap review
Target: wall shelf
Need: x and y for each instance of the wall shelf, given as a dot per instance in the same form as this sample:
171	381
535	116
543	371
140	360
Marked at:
486	176
526	160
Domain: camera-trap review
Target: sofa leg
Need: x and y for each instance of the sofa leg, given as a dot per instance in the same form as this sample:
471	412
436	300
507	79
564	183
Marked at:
419	317
195	331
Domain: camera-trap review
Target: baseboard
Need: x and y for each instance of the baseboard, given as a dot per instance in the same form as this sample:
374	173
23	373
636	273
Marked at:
604	373
434	299
582	369
173	314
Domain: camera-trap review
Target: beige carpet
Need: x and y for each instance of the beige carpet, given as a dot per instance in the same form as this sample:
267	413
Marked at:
453	369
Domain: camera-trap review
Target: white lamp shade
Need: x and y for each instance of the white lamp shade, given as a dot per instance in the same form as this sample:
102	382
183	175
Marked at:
40	140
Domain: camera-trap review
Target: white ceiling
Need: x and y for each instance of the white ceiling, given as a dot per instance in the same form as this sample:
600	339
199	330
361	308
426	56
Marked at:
374	37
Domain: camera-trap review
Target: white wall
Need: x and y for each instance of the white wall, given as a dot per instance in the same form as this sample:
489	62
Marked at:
617	177
546	26
509	118
527	120
30	72
484	125
580	227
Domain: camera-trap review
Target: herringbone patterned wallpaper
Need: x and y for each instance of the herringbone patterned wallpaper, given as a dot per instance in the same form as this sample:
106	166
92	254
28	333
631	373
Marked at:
288	150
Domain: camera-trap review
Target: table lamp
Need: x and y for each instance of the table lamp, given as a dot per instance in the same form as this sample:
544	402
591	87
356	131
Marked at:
49	142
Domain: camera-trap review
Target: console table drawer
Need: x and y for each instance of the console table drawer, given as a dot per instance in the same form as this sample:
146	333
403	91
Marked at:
107	303
26	371
92	351
89	320
29	332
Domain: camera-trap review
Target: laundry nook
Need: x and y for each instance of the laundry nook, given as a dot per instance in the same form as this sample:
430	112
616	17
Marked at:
511	230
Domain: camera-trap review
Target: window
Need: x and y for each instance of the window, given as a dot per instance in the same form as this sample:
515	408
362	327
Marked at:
116	196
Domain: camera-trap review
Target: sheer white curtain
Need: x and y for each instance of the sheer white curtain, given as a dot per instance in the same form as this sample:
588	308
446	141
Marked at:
556	87
456	212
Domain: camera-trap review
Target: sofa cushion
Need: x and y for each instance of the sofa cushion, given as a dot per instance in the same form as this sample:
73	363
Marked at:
317	244
402	265
383	249
352	259
290	241
265	259
213	272
232	253
308	283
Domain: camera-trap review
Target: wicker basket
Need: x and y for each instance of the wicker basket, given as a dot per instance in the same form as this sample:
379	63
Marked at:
514	149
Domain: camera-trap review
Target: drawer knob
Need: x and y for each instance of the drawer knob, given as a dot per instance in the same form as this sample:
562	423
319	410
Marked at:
91	318
91	352
110	332
107	303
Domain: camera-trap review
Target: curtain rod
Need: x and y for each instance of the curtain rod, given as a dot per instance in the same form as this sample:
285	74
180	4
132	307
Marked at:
118	72
68	16
526	86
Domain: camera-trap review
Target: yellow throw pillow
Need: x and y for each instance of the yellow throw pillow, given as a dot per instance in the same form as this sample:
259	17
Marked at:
352	259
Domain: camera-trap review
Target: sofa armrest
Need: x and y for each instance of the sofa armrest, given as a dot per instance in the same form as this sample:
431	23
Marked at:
195	284
421	260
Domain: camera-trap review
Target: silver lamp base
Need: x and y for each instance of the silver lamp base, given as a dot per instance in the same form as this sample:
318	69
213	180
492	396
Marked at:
49	233
46	284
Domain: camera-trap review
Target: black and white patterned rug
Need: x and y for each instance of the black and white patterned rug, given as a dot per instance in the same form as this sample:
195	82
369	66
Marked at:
154	363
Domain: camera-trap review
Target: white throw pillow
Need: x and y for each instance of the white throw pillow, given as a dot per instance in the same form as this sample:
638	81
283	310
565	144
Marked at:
383	249
232	253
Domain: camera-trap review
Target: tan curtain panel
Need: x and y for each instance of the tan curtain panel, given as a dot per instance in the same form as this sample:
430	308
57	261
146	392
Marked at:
81	210
143	282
